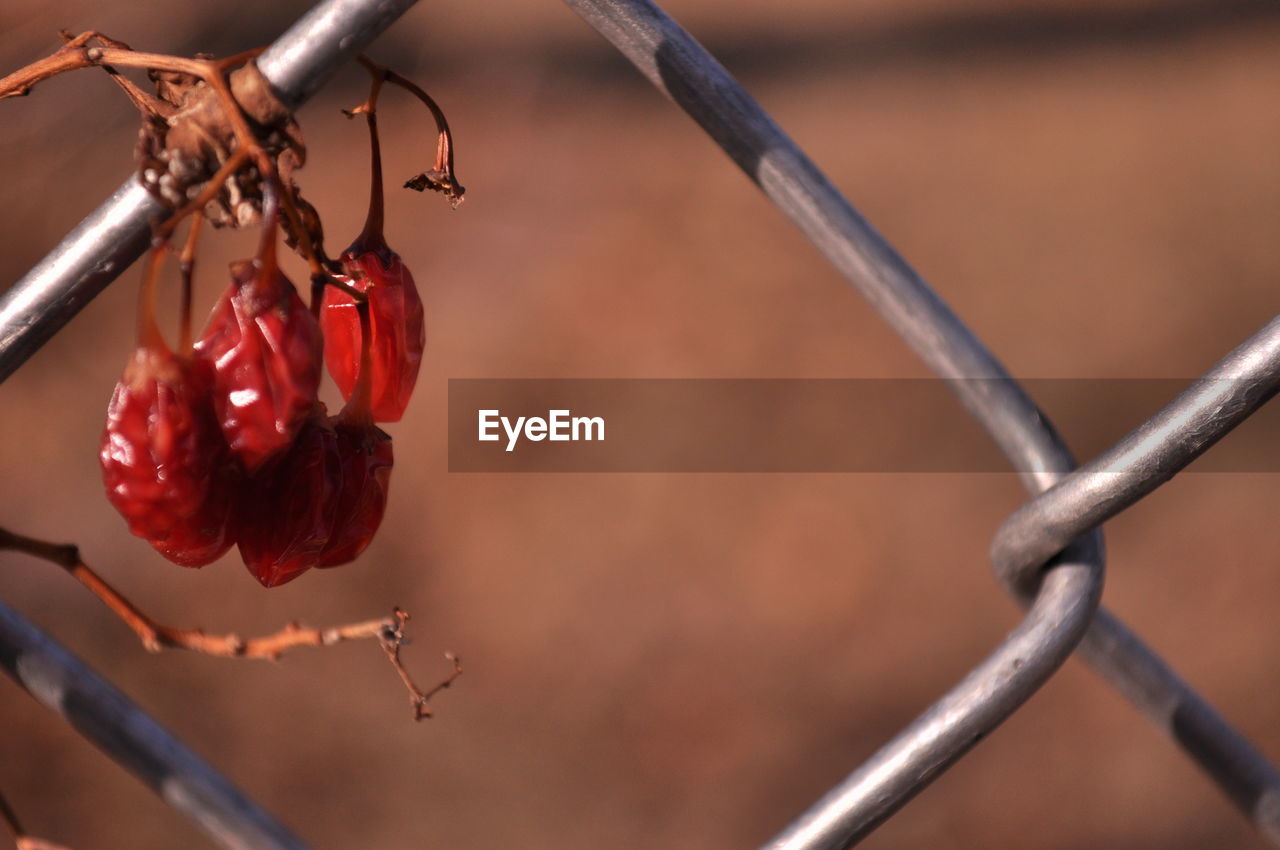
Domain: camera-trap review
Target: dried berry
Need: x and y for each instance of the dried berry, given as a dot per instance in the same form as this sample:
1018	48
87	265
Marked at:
398	329
366	456
265	350
285	515
365	450
396	324
162	457
206	535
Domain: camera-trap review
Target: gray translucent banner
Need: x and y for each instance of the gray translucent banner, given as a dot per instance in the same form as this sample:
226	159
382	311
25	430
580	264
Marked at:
794	425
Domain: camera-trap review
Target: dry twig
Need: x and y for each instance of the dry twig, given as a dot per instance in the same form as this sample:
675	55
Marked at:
20	838
388	631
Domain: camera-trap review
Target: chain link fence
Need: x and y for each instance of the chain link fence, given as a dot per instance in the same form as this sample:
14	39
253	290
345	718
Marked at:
1048	554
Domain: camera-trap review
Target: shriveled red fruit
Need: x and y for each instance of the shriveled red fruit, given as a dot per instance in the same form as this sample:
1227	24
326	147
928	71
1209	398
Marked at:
396	326
367	458
206	535
162	457
285	514
265	350
398	329
365	451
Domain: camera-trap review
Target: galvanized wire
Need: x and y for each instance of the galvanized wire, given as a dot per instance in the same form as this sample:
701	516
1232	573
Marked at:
106	717
1064	585
1187	427
1147	457
1062	589
88	259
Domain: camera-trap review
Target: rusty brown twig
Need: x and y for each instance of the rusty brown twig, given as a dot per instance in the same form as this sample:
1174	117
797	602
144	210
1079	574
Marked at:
178	102
441	177
388	631
186	268
21	840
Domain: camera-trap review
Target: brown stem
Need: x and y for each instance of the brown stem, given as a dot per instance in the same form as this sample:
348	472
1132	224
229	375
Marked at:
270	225
187	266
214	73
388	631
317	263
27	842
323	279
10	818
418	699
148	104
69	58
21	840
441	177
371	238
126	58
78	53
211	189
149	335
313	254
238	59
318	283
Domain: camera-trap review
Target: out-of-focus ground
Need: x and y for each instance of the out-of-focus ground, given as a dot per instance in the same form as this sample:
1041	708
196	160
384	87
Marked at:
689	660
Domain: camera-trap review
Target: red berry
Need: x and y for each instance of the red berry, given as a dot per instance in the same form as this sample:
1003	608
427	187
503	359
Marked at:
265	350
285	515
366	457
204	536
162	458
398	335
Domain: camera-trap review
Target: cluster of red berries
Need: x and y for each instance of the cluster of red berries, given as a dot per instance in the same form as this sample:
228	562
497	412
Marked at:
227	443
224	442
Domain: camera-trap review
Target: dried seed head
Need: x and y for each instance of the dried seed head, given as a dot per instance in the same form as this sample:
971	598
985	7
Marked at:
184	144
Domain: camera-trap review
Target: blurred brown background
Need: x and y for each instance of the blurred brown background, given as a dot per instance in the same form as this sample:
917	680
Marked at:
689	660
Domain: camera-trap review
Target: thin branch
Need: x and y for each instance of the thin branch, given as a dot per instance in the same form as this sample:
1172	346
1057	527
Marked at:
146	103
68	58
212	187
109	53
391	641
388	631
10	818
21	840
186	267
76	54
441	177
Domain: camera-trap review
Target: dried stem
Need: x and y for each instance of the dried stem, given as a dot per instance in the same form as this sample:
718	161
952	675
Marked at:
109	54
76	54
71	56
148	104
371	238
388	631
21	840
186	266
441	177
212	187
391	643
149	335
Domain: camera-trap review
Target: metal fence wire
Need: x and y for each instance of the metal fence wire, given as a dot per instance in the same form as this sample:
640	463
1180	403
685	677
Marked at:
1048	553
